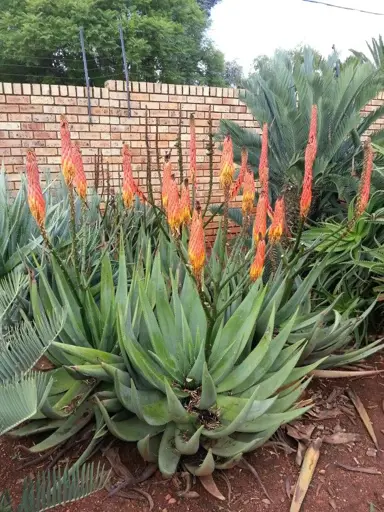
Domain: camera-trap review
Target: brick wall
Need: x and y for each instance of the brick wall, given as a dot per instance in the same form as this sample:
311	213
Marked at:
30	114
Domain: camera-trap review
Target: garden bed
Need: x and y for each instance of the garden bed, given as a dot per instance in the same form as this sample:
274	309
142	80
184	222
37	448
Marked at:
332	488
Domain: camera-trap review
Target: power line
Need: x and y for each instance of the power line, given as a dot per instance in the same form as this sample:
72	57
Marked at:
343	7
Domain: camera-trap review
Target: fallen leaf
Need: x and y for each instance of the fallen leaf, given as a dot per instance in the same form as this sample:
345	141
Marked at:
301	448
306	473
300	432
209	485
326	414
288	487
358	469
340	374
363	415
341	438
333	504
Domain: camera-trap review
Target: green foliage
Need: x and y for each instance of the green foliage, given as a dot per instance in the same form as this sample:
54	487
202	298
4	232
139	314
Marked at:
281	94
56	487
164	40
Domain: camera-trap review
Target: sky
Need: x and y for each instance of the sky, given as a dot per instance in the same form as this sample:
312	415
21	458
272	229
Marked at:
244	29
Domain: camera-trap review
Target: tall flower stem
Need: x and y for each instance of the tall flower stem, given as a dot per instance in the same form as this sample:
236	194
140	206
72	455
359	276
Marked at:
73	231
84	240
210	151
60	262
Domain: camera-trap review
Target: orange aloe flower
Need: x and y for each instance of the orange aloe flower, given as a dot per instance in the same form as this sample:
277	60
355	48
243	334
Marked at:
365	181
173	210
260	224
257	266
196	246
185	204
67	165
248	192
80	180
192	150
278	223
243	169
310	157
167	172
36	200
227	167
128	189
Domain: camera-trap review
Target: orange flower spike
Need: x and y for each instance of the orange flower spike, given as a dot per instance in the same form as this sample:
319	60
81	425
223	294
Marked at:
227	167
185	204
173	210
260	224
80	180
128	189
263	164
365	182
167	171
243	169
310	157
192	150
67	165
248	192
277	227
257	266
196	246
36	200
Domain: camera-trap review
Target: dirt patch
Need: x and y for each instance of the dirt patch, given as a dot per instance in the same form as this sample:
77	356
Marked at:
333	488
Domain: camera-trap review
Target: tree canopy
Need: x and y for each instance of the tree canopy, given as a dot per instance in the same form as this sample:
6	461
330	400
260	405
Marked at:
164	41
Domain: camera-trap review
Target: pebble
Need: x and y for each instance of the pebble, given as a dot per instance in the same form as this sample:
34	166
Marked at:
172	501
266	501
371	452
322	471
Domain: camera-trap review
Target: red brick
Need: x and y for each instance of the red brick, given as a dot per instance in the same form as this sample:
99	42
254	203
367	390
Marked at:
33	143
21	134
65	101
77	110
18	99
42	100
45	135
4	134
2	98
10	108
54	109
31	108
32	126
19	117
7	143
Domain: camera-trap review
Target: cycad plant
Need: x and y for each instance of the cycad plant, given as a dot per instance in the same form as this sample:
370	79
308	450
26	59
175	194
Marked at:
281	95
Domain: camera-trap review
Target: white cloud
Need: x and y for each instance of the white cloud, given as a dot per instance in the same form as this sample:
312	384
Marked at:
244	29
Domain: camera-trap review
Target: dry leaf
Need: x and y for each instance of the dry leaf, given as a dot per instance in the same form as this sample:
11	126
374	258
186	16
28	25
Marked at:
363	415
340	374
333	504
326	414
307	470
301	449
209	485
357	469
341	438
300	432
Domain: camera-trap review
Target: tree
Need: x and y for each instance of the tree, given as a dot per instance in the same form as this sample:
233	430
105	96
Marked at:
208	5
233	74
164	40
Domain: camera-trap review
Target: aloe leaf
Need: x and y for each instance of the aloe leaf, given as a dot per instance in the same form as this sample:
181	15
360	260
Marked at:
228	429
149	448
274	349
267	421
176	411
274	381
169	457
75	422
130	430
36	427
251	362
92	355
206	468
208	390
186	442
